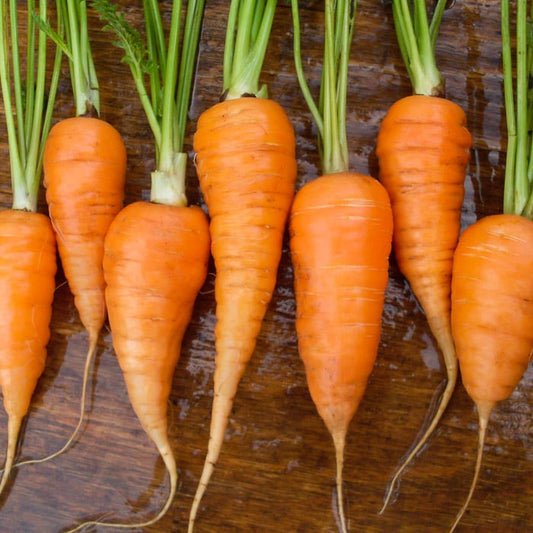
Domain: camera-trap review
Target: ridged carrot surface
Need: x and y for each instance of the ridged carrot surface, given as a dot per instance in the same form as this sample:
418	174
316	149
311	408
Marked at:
341	238
246	165
341	231
247	168
27	285
155	263
84	175
494	346
492	314
423	149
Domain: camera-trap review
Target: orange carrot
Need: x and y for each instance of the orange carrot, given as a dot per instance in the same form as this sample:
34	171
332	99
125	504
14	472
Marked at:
156	253
423	149
492	286
492	313
340	240
84	174
155	263
84	166
27	241
27	282
246	165
341	230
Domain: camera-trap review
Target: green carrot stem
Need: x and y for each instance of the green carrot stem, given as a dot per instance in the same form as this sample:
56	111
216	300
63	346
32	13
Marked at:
510	113
82	72
247	35
17	85
417	37
156	48
170	79
27	118
518	190
330	113
300	74
170	70
137	57
15	142
193	24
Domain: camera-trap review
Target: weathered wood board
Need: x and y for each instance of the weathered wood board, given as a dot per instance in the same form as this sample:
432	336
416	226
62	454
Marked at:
276	470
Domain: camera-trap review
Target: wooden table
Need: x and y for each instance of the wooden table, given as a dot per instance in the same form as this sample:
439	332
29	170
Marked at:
276	470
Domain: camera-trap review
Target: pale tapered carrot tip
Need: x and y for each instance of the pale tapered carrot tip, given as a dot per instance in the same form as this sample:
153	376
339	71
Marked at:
165	450
13	431
225	388
484	410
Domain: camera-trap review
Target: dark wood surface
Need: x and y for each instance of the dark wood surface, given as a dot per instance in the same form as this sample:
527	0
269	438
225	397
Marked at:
276	470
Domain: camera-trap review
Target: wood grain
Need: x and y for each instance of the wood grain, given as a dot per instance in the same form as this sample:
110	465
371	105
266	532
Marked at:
276	470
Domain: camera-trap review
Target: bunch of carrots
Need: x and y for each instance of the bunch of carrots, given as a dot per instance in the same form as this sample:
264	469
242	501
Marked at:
141	266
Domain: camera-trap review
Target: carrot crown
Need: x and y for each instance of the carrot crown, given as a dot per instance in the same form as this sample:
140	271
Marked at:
518	189
247	35
28	105
417	37
163	76
330	113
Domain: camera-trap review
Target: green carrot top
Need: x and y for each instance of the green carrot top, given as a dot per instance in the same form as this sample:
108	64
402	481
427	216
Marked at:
330	113
28	105
247	34
163	79
518	190
417	37
78	49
